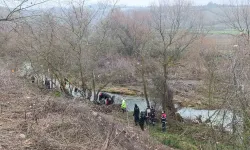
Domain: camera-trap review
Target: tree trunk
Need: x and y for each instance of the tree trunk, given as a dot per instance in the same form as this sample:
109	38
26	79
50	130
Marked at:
55	82
93	86
52	81
167	101
246	130
82	79
170	104
64	90
62	84
165	94
145	90
144	84
37	79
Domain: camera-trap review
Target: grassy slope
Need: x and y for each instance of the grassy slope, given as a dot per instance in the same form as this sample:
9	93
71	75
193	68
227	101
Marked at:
37	121
182	136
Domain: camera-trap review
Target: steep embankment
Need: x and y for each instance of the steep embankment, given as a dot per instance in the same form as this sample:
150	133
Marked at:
31	120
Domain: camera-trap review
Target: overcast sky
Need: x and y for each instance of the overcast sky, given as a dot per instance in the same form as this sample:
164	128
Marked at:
55	3
148	2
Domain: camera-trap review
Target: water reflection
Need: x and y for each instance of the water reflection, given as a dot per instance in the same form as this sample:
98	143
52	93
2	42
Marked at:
216	118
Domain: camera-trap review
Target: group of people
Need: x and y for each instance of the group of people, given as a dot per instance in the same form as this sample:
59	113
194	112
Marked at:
148	116
105	98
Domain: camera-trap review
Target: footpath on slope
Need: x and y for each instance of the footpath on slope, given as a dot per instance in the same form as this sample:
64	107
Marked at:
31	120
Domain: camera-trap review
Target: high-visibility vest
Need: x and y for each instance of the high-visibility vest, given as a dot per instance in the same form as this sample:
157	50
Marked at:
123	106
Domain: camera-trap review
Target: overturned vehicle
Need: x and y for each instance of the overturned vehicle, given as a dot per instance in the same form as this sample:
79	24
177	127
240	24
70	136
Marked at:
105	98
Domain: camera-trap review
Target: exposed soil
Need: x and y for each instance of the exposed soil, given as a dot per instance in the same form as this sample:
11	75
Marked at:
31	120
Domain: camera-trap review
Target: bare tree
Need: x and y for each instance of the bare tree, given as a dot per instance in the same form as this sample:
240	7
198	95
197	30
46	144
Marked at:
82	24
13	10
40	42
176	26
134	33
237	17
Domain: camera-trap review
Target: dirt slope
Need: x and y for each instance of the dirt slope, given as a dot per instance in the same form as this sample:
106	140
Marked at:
31	120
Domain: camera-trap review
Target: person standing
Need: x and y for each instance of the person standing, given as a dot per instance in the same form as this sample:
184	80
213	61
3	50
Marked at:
142	120
123	106
110	101
47	83
136	114
163	121
89	94
152	115
33	79
147	115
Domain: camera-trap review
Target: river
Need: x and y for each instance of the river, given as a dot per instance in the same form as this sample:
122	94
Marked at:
218	117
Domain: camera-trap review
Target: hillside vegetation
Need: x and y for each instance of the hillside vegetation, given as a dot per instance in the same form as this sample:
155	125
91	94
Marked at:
39	121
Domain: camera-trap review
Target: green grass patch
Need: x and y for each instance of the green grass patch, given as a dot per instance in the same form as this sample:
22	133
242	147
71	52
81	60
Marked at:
172	139
57	94
185	136
120	90
231	32
191	137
